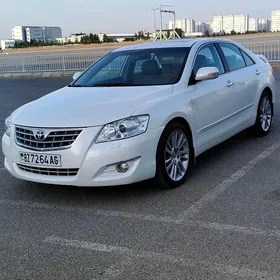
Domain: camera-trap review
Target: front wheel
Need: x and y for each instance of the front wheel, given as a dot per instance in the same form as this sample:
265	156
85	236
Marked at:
173	156
264	115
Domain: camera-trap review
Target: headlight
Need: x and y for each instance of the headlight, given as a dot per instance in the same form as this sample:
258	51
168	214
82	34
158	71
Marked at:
123	129
8	123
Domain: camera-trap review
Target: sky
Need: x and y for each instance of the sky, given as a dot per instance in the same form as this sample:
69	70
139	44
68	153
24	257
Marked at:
117	16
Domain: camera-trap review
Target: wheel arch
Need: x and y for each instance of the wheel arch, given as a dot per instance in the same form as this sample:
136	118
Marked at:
185	123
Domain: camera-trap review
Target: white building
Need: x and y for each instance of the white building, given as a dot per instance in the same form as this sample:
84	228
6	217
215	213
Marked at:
275	21
193	34
269	25
228	23
179	23
217	25
241	23
117	37
253	24
190	26
201	26
38	33
259	24
5	44
18	33
187	25
71	39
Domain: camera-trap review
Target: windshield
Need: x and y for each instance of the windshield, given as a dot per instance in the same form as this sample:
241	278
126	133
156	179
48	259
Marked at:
162	66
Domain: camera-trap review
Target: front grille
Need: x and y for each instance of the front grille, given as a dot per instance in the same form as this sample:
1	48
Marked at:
49	171
52	139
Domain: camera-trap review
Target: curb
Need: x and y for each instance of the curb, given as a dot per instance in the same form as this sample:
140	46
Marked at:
38	75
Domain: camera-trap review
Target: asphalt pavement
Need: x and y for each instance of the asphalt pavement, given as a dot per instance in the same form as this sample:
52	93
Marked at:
222	224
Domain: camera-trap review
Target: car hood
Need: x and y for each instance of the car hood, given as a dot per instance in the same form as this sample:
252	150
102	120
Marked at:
80	107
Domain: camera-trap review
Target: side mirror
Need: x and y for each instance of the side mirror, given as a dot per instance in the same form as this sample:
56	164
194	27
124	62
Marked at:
77	75
207	73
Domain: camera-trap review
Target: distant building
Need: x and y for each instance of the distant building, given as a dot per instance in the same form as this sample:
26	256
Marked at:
201	26
190	26
193	34
179	23
269	25
217	25
241	23
186	25
228	23
117	37
70	39
38	33
5	44
275	21
259	24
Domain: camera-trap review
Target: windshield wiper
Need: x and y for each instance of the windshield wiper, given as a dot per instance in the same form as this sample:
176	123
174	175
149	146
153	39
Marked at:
113	84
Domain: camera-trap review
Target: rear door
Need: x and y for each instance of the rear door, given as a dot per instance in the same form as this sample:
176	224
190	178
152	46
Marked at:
245	78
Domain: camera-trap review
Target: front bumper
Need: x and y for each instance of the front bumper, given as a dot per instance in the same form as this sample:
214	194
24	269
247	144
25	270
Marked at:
96	163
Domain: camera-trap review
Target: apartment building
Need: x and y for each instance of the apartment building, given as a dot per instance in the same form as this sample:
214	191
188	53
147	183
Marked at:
275	21
241	23
228	23
217	25
259	24
187	25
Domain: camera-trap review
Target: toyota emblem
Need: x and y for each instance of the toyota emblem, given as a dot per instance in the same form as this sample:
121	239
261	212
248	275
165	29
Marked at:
39	135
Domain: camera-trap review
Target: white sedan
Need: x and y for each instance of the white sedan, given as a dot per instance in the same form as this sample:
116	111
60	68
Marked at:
141	112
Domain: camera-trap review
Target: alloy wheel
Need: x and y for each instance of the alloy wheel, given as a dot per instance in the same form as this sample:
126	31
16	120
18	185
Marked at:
177	155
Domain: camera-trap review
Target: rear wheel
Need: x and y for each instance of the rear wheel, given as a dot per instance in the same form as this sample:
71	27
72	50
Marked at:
264	115
173	156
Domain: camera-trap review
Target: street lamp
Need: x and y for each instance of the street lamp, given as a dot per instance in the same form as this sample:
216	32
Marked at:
155	21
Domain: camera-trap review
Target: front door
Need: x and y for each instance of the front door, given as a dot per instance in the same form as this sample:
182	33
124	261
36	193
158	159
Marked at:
214	101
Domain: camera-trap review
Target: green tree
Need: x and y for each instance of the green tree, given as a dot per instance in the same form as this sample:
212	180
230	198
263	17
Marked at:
106	39
96	39
207	33
91	38
180	32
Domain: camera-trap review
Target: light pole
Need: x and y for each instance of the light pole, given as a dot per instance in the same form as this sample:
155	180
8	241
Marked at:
155	21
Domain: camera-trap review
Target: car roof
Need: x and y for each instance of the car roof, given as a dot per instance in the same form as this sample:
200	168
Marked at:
172	43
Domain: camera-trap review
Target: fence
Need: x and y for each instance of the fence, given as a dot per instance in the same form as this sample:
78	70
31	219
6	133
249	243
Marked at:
82	60
270	49
48	63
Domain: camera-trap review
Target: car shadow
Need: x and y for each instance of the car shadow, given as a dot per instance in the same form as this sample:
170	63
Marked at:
138	190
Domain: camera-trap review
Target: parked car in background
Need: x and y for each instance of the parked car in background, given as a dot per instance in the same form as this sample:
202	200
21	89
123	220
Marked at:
143	111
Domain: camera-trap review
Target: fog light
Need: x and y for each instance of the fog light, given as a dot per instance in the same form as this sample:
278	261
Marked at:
122	167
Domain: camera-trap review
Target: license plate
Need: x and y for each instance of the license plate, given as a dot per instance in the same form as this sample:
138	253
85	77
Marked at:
40	159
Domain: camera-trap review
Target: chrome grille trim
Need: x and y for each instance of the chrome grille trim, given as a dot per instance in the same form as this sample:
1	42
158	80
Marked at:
55	139
49	171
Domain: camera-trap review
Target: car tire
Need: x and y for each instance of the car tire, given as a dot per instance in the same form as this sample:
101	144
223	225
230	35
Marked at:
264	115
174	156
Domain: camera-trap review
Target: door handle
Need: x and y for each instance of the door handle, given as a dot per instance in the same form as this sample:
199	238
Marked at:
258	72
230	83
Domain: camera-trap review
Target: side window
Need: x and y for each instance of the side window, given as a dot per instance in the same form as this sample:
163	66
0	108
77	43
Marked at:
247	59
233	56
208	56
